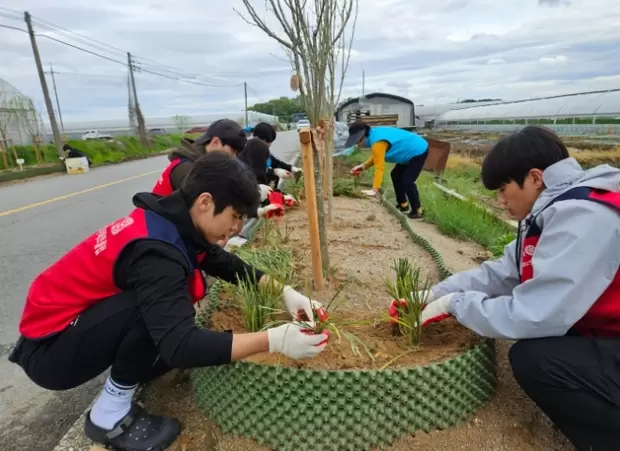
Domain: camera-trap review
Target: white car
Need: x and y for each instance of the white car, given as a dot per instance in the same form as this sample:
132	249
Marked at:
95	134
303	123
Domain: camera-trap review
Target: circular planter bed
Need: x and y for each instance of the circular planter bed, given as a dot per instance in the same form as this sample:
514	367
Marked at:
369	387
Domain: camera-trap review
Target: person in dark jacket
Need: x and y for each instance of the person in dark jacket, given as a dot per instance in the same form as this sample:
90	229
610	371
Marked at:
276	169
123	297
72	152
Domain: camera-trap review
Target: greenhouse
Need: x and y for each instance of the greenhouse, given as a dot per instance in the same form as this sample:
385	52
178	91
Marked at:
20	122
583	113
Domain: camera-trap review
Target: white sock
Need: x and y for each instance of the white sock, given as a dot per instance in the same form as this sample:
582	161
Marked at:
112	405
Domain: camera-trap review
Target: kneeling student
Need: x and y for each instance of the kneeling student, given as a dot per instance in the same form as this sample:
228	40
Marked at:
123	298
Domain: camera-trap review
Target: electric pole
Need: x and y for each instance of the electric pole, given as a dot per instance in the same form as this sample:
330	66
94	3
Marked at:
141	126
245	90
62	126
363	81
46	93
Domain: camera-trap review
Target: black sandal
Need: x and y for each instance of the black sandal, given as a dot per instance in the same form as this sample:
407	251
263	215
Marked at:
137	431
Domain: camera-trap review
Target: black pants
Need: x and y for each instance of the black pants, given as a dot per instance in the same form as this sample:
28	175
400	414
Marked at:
575	381
111	333
404	177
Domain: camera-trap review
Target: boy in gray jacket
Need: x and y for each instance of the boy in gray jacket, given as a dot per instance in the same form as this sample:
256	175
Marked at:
556	290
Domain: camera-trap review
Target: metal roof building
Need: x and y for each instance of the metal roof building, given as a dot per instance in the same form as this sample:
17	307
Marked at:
377	104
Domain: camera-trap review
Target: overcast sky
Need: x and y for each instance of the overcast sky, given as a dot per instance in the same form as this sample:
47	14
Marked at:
429	51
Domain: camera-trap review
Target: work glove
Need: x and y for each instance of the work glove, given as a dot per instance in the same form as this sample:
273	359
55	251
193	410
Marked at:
264	190
369	192
290	201
437	310
295	169
281	173
295	301
357	170
426	296
270	211
296	341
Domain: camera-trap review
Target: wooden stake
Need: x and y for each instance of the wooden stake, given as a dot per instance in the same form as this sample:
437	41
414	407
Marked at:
305	139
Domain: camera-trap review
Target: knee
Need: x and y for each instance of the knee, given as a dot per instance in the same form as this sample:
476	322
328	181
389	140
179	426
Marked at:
526	360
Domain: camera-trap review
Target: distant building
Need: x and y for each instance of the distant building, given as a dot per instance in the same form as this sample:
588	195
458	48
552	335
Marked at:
378	104
19	119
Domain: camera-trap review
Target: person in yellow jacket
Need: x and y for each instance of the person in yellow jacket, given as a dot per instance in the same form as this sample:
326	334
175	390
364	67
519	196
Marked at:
394	145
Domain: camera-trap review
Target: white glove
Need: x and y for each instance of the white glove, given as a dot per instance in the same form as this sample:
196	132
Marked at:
357	169
295	301
282	173
369	192
262	211
265	191
290	200
436	310
296	169
290	340
427	296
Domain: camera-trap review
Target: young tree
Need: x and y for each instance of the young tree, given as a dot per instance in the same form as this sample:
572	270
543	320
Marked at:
180	122
7	113
311	35
30	123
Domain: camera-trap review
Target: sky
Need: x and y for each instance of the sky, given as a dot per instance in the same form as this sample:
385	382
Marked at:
430	52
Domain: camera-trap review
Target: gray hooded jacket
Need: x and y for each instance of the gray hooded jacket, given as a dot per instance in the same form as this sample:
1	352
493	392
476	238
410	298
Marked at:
576	259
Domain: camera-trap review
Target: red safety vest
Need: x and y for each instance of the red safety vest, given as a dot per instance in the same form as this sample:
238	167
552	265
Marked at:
163	187
603	318
85	275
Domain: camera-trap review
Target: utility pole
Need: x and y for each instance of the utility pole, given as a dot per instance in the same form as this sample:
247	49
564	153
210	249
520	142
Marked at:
62	126
245	90
363	82
141	126
46	93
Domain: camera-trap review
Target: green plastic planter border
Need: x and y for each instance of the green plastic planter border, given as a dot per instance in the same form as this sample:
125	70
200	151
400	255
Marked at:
303	410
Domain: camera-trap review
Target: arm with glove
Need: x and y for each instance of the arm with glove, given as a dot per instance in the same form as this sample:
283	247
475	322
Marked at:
377	159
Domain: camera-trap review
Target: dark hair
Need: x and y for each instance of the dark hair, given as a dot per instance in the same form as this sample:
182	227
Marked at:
512	158
265	132
67	147
358	126
255	156
221	175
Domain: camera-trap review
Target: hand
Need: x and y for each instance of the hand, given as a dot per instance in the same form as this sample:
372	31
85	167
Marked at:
295	301
296	169
264	190
270	211
290	201
357	170
425	296
436	310
369	192
291	340
282	173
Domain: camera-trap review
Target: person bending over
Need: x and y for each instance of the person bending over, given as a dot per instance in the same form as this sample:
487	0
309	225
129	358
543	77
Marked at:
123	298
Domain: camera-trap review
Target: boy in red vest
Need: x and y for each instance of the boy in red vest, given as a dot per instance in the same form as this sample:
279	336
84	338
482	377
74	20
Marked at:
123	297
556	289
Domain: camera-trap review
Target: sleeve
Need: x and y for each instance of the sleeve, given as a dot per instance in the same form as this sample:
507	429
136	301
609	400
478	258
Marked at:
158	273
493	277
378	157
178	174
228	267
575	260
277	163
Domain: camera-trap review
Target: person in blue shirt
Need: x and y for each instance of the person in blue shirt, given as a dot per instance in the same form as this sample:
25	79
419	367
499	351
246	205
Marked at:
394	145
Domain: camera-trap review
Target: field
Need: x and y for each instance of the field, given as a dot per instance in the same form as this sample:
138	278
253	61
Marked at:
364	240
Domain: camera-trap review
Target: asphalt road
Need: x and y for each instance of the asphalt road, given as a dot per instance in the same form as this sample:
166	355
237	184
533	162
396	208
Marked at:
40	220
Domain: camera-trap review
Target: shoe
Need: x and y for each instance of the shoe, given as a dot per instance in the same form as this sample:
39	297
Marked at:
137	431
416	214
402	209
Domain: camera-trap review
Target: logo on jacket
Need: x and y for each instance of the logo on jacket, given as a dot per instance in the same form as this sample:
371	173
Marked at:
529	250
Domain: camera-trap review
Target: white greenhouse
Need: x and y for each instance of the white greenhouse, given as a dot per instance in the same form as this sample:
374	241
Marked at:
20	122
583	113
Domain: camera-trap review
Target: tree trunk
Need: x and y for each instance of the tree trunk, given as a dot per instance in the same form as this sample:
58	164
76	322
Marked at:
329	166
4	159
318	184
15	155
37	152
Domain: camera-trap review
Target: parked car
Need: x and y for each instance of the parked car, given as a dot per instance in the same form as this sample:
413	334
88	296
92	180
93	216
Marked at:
302	123
157	131
196	130
95	134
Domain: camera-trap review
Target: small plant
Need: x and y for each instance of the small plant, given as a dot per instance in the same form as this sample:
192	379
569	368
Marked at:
259	302
409	298
347	188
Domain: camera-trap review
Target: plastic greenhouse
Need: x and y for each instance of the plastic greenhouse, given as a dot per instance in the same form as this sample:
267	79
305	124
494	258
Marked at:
19	119
583	113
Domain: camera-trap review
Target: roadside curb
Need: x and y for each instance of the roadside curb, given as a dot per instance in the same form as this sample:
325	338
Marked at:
74	439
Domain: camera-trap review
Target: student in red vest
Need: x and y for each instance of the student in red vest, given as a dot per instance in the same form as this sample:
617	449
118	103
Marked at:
222	135
122	298
556	290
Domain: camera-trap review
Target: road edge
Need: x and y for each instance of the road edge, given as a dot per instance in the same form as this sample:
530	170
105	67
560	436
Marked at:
74	439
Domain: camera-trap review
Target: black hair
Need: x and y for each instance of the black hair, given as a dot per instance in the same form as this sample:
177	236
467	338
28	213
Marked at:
67	147
513	157
230	184
255	156
358	126
237	143
265	132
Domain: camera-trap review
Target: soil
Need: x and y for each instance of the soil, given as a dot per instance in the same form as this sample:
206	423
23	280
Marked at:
510	422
